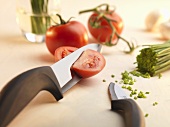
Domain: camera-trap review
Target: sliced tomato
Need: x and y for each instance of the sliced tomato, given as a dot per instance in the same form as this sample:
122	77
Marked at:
89	64
63	51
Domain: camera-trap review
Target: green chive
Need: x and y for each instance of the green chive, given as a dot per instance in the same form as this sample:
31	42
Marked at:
146	115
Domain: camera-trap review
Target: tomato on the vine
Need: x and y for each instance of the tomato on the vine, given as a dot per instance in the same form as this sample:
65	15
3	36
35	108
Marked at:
70	33
88	64
100	28
106	26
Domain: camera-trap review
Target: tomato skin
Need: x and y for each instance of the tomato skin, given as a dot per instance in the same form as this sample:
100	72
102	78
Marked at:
103	33
72	33
63	51
89	64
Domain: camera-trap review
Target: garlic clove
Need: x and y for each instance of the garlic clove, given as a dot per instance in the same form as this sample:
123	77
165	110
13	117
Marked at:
165	30
155	18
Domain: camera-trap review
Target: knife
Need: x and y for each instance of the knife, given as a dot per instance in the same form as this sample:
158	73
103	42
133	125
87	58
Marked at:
121	102
56	79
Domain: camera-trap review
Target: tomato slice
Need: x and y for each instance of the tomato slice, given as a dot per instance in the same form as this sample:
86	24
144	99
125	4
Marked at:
89	64
63	51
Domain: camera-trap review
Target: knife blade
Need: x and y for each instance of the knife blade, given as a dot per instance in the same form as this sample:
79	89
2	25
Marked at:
61	69
56	79
121	102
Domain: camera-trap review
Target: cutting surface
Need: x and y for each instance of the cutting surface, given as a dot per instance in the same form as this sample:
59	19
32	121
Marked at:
87	104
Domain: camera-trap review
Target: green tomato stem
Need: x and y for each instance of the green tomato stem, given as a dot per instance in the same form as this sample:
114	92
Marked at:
96	9
102	14
114	32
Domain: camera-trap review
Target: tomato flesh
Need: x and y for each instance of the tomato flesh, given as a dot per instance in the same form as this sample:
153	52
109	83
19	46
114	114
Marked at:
89	64
103	33
63	51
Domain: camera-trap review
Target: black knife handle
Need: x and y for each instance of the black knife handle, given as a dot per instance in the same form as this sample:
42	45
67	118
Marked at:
22	89
133	114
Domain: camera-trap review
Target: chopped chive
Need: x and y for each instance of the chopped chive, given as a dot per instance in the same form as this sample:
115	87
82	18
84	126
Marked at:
112	76
124	86
155	103
160	75
146	92
135	98
129	88
127	78
146	115
133	92
141	95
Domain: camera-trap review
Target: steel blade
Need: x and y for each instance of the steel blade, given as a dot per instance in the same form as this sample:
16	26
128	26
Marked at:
116	92
71	83
61	69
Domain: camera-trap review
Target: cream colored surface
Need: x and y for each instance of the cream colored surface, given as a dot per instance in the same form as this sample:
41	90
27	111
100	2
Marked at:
87	104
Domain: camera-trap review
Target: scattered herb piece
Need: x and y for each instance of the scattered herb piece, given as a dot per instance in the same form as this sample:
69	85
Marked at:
135	98
104	80
146	92
127	78
146	115
160	75
129	88
133	92
124	87
112	76
155	103
141	95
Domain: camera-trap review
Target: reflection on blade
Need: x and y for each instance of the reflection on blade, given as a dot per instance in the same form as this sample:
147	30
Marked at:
120	93
116	92
71	83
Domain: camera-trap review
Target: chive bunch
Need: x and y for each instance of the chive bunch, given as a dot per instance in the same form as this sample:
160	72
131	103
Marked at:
154	59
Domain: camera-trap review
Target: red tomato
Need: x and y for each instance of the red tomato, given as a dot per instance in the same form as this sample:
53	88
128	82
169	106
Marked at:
63	51
89	64
104	31
71	33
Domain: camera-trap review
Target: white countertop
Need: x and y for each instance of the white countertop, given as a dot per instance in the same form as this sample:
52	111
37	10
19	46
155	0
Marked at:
87	104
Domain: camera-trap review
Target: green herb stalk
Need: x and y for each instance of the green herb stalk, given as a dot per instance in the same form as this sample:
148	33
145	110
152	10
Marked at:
154	59
40	20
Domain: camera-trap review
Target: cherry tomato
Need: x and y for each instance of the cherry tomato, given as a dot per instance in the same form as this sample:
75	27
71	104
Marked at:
71	33
103	32
89	64
63	51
